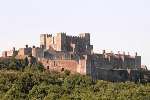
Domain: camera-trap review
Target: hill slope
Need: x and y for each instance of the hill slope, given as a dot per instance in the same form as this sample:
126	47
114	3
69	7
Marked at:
32	84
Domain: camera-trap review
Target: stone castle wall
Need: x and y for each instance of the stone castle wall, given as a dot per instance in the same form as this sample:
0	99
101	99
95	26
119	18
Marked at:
121	75
9	53
62	52
27	51
62	42
115	61
60	65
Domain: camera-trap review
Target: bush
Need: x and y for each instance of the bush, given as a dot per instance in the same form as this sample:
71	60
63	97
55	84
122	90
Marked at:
34	84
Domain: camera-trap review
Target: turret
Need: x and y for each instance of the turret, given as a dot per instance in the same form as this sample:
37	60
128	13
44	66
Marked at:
61	41
86	36
43	40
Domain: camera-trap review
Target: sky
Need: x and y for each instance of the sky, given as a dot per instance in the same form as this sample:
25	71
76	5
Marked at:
115	25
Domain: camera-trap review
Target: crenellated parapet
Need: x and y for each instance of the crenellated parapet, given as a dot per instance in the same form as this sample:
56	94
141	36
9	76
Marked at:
63	42
48	35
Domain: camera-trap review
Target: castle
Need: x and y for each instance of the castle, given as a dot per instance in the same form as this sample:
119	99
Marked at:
75	53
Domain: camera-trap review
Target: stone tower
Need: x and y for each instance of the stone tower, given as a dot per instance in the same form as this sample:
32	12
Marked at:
46	40
86	36
43	40
60	42
86	43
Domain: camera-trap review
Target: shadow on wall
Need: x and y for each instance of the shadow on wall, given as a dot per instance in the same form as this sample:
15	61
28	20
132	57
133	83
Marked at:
119	75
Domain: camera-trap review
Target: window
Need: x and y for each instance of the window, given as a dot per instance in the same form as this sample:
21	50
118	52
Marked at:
54	63
62	69
47	67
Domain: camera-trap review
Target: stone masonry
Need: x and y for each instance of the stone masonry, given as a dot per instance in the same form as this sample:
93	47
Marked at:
75	53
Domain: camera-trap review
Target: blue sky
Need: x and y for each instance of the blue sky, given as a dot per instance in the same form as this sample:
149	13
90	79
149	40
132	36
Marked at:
117	25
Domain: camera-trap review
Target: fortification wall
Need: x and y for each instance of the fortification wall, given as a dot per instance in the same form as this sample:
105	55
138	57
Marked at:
4	54
25	51
37	52
118	75
79	44
111	61
82	67
63	42
60	65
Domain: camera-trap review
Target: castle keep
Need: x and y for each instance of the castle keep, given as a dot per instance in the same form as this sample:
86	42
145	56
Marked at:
75	53
63	43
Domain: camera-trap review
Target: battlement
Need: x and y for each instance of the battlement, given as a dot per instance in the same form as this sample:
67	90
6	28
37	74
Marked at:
84	34
49	35
63	42
46	35
80	36
61	33
73	37
119	54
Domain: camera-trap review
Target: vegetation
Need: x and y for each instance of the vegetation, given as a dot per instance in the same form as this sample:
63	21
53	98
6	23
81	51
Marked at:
19	81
